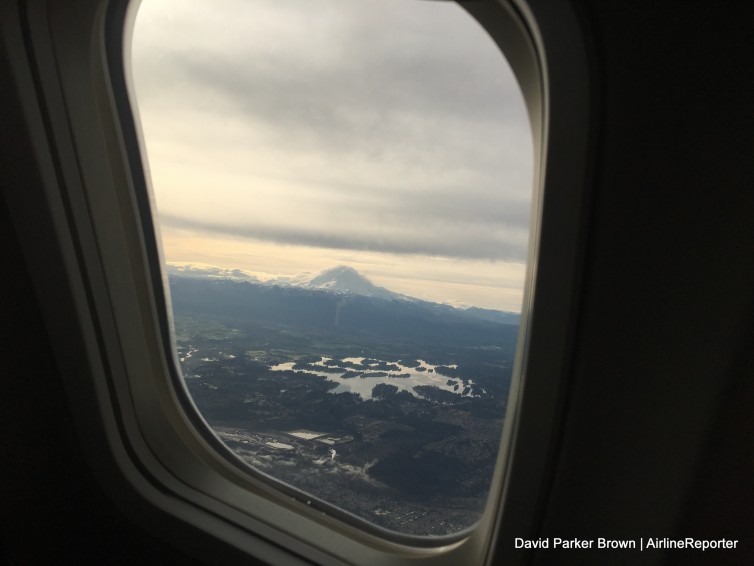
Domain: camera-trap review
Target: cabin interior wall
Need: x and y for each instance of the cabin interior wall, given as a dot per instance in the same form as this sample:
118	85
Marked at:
656	432
656	436
52	509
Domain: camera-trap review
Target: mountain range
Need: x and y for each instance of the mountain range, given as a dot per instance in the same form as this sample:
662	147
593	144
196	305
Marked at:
339	280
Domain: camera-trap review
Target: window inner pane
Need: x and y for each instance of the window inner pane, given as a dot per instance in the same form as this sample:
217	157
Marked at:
343	192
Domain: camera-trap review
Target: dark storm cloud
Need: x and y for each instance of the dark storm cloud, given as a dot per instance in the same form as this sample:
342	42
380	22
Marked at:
443	205
422	61
442	117
350	88
463	242
300	94
428	115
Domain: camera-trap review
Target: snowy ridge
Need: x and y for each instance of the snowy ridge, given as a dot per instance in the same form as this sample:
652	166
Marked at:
346	280
341	280
205	271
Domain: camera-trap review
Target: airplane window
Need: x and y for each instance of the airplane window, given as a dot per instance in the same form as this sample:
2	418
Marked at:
343	192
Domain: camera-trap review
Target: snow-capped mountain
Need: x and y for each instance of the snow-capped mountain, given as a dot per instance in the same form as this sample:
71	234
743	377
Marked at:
339	280
346	280
204	271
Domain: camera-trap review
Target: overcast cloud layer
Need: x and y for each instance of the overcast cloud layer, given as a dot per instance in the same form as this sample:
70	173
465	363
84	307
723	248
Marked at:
382	125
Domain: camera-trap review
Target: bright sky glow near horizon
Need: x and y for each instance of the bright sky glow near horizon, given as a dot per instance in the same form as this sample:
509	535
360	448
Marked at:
287	136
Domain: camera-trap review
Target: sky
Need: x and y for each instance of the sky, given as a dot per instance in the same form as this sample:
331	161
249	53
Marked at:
285	136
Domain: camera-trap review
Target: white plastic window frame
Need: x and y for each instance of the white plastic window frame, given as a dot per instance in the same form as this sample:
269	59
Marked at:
107	313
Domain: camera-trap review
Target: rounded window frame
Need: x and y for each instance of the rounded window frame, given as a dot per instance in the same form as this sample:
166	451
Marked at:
158	456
